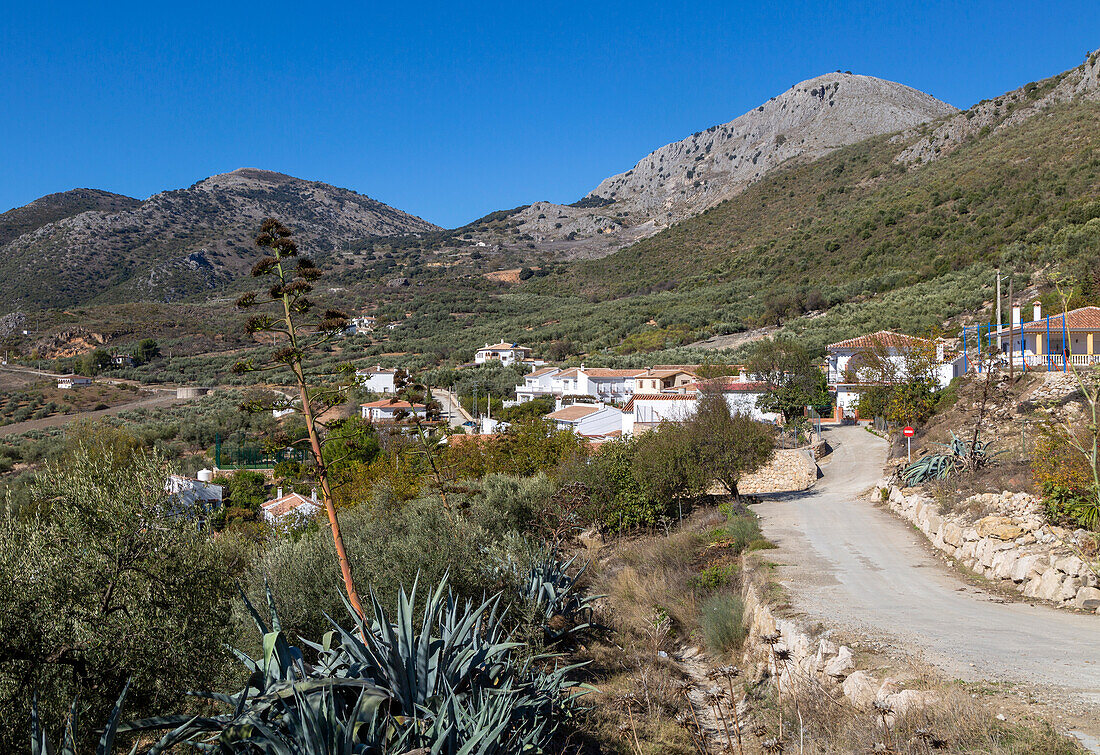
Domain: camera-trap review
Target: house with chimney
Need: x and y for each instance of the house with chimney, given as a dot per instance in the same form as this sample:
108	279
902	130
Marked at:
595	420
291	509
503	352
537	384
1056	342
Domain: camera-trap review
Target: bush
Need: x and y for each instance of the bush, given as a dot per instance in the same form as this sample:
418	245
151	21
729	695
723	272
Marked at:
723	622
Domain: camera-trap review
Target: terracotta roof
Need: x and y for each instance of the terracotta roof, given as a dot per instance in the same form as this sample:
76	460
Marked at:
573	413
542	371
886	338
502	345
658	397
730	386
1083	318
569	374
600	372
390	404
280	507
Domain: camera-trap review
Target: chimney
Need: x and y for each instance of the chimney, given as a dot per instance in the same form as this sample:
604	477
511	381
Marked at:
313	495
1015	315
279	494
744	376
939	351
1037	311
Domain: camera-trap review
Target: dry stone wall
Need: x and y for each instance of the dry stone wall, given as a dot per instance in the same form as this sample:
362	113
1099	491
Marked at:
790	469
1013	546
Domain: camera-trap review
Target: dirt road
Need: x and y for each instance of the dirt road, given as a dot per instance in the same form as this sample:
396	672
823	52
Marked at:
856	567
160	398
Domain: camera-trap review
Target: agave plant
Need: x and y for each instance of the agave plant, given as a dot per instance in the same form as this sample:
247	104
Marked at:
960	455
549	586
449	681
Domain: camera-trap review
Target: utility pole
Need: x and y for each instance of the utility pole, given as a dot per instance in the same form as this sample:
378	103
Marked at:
1011	308
999	320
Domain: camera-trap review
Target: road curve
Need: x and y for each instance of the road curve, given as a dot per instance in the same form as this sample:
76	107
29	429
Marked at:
854	566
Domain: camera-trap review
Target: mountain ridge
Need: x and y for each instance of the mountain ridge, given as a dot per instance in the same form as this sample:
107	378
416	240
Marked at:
182	241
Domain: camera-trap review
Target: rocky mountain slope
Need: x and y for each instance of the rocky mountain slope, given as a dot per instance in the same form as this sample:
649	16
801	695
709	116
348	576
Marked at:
684	178
1004	112
177	242
54	207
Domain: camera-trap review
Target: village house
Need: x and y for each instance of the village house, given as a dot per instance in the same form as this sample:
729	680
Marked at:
851	368
589	420
122	360
387	410
645	411
195	494
655	380
505	353
292	509
72	381
1054	342
537	384
377	379
360	325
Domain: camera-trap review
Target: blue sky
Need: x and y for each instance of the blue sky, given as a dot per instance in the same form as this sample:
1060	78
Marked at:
452	110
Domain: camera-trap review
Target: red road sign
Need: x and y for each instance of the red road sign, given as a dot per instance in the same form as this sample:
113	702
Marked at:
908	432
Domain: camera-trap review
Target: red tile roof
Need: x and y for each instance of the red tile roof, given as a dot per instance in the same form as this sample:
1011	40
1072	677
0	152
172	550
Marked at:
886	338
658	397
280	507
1083	318
729	386
392	404
601	372
540	372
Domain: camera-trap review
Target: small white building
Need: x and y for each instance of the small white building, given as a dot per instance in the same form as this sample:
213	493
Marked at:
360	325
589	420
290	510
72	381
387	410
195	494
647	410
122	360
377	379
505	353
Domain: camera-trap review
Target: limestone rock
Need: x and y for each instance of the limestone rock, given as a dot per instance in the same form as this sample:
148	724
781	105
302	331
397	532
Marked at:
909	700
860	689
1088	598
843	663
1000	527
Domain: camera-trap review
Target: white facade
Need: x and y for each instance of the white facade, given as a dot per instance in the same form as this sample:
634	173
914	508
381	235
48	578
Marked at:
536	384
377	380
592	420
505	353
386	411
73	381
648	410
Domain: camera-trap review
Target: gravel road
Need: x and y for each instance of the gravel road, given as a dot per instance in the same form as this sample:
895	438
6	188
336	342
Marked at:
856	567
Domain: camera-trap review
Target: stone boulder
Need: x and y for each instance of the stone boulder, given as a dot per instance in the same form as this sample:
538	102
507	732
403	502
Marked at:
1000	527
842	664
1088	598
860	689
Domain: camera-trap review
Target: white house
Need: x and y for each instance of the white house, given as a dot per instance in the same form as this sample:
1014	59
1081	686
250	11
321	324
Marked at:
122	360
849	371
72	381
655	380
292	509
590	420
386	410
536	384
377	380
647	410
505	353
195	494
1051	342
360	325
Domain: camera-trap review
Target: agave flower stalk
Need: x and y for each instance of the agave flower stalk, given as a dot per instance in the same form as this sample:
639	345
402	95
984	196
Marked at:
288	296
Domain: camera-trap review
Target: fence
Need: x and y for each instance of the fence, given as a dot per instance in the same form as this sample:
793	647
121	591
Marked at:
250	456
980	343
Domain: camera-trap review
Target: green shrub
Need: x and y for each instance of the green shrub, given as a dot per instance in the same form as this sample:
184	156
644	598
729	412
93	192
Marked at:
723	622
713	577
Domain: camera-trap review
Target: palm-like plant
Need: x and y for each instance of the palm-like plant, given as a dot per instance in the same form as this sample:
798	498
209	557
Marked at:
960	455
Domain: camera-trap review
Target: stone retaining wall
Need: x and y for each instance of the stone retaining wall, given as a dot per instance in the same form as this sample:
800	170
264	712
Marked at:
812	663
1013	546
790	469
